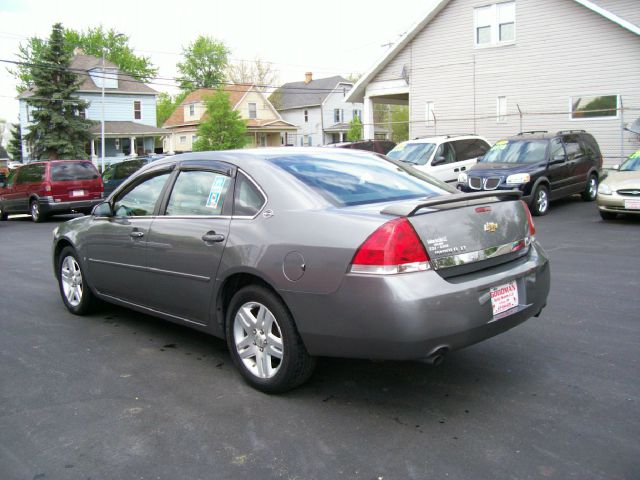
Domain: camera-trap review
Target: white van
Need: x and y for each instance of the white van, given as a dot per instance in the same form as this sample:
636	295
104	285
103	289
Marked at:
443	157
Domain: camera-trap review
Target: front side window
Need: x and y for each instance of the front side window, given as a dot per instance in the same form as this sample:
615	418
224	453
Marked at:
200	193
140	201
253	111
495	24
444	154
248	199
556	149
594	107
137	110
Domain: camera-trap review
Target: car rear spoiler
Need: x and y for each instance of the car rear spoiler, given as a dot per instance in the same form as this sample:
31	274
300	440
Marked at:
409	209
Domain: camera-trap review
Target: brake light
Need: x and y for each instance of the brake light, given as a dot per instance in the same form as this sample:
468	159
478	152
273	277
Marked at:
532	228
393	248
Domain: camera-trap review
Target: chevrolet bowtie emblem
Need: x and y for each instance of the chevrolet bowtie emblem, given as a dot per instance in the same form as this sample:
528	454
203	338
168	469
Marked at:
490	227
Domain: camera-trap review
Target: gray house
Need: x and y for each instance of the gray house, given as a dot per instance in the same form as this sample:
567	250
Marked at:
129	110
318	108
499	67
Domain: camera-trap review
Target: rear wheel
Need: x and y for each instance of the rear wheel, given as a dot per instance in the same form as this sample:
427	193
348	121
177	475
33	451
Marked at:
76	294
264	343
36	213
3	214
608	215
591	190
540	201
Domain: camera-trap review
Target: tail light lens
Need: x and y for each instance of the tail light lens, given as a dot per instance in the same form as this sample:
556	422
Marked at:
532	228
393	248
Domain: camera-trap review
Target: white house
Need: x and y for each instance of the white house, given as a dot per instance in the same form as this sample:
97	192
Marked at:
129	110
318	108
497	67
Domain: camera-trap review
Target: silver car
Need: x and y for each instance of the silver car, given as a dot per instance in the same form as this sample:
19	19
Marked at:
290	254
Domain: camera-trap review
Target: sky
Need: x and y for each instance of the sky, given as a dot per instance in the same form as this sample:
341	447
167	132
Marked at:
328	37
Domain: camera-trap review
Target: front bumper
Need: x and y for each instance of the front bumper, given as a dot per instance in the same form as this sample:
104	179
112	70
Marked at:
409	316
48	206
525	188
614	203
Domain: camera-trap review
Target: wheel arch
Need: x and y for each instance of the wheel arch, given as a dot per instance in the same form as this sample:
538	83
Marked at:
57	249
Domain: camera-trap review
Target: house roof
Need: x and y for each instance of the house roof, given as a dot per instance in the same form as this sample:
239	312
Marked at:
85	63
301	94
236	92
357	92
128	128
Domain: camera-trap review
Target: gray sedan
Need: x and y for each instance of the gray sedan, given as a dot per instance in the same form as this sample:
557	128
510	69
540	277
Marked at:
291	254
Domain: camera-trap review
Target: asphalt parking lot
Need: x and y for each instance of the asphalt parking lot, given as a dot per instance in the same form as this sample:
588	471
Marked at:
120	395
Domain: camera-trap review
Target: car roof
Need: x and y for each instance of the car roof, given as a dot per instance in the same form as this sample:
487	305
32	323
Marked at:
443	138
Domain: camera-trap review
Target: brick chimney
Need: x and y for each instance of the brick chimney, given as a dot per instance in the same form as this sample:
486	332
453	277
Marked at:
308	76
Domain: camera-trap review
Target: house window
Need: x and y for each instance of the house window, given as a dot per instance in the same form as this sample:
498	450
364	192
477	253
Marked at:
137	110
429	115
192	109
604	106
495	24
82	113
501	110
193	139
357	114
306	116
183	139
336	115
252	110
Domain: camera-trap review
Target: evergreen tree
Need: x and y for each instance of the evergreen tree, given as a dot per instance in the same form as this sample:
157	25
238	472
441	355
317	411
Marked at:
222	127
355	130
14	147
57	129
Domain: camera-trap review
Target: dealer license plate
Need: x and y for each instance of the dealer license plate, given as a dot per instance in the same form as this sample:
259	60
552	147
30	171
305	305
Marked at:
632	204
504	297
77	193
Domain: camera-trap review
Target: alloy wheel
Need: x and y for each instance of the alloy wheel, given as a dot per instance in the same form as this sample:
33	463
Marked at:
35	211
71	279
593	187
258	340
542	200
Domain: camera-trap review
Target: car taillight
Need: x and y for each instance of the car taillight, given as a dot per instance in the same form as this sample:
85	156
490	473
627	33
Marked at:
393	248
532	228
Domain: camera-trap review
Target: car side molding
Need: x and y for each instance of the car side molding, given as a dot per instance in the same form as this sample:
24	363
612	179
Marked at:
409	209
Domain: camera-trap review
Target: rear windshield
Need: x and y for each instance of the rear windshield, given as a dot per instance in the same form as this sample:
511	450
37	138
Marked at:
517	151
416	153
61	172
347	180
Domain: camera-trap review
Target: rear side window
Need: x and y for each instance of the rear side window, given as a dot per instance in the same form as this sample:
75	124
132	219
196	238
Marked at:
199	193
346	180
573	146
590	145
471	148
66	171
31	173
248	199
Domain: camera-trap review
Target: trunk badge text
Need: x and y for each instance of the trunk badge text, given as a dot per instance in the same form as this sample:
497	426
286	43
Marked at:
490	227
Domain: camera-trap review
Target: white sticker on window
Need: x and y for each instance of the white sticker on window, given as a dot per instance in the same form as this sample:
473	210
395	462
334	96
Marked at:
216	191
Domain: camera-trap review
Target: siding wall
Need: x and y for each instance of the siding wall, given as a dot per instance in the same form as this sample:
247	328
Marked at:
264	111
313	127
335	100
120	107
562	49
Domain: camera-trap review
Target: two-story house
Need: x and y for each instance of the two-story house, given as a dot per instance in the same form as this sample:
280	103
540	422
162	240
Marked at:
318	108
500	67
128	109
265	127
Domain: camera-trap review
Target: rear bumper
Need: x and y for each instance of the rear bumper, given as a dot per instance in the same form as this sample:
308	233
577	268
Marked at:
48	206
406	317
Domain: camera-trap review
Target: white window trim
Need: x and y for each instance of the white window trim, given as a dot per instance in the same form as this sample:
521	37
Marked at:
192	109
429	112
182	139
134	109
590	119
495	28
249	110
501	117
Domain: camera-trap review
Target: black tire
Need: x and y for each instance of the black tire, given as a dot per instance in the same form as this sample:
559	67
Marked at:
3	215
608	215
36	214
540	201
261	347
591	190
87	300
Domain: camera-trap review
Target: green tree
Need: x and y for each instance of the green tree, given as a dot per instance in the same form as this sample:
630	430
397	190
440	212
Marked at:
399	123
222	127
57	129
205	64
355	130
166	104
92	42
14	147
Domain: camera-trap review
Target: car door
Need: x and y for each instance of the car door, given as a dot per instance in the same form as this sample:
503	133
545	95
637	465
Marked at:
118	244
443	163
557	168
467	153
186	242
576	157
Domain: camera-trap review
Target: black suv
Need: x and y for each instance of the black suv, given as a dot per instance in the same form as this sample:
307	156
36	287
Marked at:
543	166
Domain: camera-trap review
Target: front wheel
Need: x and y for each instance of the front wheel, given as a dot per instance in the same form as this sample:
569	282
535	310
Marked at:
591	190
264	343
75	292
540	201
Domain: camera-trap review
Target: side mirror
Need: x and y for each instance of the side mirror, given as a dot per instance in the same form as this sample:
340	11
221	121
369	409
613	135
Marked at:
439	160
615	167
102	210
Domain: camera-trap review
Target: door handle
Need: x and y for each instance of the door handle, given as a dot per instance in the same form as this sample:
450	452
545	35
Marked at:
456	169
212	237
462	169
137	234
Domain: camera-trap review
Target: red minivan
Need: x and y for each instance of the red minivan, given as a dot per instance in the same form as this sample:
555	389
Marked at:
49	188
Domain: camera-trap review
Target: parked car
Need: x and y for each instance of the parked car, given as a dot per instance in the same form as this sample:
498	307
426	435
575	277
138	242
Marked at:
541	165
48	188
378	146
444	157
116	173
619	191
293	253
